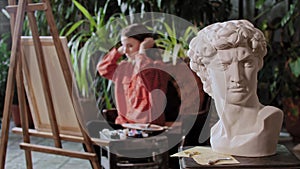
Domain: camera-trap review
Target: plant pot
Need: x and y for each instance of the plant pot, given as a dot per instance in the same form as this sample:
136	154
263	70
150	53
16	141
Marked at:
291	108
15	111
89	110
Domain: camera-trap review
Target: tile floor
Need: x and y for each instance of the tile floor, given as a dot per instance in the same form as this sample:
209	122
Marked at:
15	158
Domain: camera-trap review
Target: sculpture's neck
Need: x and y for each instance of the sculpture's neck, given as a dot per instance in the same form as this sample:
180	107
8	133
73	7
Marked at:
252	102
235	116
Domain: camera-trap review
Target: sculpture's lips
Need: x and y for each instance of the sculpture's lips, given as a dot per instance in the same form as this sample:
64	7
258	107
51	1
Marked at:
237	89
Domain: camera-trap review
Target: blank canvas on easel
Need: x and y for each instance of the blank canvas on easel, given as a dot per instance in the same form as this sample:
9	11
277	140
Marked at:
66	117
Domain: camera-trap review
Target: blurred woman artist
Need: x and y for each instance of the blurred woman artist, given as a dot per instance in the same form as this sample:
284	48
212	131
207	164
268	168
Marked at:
140	82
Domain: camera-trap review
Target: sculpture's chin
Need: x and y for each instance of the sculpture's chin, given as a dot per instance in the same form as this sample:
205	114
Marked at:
237	98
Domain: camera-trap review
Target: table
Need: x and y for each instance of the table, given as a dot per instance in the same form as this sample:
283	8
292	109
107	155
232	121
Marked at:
150	152
284	158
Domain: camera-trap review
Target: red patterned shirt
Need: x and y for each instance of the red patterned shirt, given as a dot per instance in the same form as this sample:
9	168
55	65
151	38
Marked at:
140	87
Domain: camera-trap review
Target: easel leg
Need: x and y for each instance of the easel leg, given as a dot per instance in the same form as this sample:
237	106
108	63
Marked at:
23	108
44	75
5	125
11	81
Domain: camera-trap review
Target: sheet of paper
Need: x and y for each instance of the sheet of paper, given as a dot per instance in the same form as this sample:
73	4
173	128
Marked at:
202	155
297	147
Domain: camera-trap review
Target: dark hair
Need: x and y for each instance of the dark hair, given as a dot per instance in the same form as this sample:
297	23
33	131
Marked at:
136	31
140	32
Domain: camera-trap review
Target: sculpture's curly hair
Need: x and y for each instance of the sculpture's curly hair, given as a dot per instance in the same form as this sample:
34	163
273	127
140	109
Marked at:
225	35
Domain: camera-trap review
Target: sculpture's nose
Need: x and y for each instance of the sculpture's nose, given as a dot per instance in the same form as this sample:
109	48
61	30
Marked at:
236	73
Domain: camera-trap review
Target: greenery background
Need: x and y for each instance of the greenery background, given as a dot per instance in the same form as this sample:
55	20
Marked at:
82	21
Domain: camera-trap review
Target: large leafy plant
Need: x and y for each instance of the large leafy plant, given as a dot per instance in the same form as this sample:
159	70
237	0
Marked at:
95	33
90	38
4	65
280	75
174	43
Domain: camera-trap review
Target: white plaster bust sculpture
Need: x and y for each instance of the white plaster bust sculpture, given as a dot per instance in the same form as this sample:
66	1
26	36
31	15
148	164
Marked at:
227	57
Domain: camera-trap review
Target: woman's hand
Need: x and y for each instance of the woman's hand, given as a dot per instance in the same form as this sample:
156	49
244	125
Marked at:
147	43
121	50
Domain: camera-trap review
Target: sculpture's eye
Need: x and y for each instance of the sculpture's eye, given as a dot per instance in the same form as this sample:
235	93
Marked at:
224	66
220	65
248	63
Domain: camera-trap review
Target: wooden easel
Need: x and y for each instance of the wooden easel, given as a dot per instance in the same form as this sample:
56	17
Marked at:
17	13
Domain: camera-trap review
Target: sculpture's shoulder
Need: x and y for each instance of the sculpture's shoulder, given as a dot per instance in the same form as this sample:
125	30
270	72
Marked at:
271	112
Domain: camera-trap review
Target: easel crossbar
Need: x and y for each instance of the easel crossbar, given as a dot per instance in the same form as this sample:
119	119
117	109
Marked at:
57	151
35	133
29	8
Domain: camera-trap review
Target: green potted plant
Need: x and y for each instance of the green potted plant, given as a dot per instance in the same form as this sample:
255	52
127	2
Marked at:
280	76
291	91
90	38
172	41
4	66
